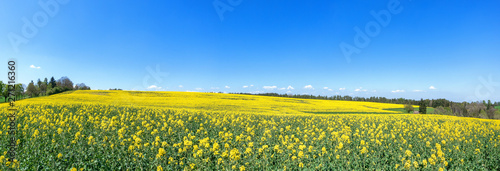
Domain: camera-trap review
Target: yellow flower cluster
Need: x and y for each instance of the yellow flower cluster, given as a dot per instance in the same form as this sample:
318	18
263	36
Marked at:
214	102
207	131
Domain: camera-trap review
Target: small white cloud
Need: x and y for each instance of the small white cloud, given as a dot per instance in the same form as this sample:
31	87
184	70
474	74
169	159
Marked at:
289	88
198	89
341	89
35	67
154	87
245	86
227	87
269	87
360	89
432	88
251	85
418	90
398	91
326	88
282	88
330	89
308	87
180	86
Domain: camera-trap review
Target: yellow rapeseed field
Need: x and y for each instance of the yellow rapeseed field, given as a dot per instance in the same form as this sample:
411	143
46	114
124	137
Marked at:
120	130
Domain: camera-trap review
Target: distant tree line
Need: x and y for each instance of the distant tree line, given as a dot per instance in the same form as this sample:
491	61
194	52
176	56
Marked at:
441	106
4	91
474	109
42	88
430	103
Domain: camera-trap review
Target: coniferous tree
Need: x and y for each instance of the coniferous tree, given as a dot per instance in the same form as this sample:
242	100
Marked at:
52	82
422	109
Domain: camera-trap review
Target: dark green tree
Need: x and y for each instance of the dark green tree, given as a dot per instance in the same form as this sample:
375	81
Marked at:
52	82
31	89
19	90
409	108
38	83
2	87
464	109
5	91
422	109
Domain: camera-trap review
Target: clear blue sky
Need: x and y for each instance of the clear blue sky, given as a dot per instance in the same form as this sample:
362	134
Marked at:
449	45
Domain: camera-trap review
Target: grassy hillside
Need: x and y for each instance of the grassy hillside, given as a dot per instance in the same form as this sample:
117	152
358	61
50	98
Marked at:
209	102
2	99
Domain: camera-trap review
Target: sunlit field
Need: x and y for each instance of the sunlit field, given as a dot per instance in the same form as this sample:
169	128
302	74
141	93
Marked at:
119	130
